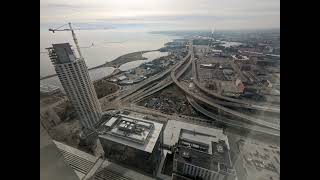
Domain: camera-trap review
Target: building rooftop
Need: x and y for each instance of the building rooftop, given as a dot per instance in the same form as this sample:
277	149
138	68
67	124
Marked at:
61	53
172	132
134	132
207	65
205	143
203	150
123	77
240	57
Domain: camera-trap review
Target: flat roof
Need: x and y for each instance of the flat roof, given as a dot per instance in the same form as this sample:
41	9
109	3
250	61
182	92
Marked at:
172	132
122	77
206	65
144	141
64	53
198	137
111	121
128	128
204	151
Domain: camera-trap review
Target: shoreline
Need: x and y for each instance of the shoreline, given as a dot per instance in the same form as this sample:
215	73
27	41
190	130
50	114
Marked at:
116	63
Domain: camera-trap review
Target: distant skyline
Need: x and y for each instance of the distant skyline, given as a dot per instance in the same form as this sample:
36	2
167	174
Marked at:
155	15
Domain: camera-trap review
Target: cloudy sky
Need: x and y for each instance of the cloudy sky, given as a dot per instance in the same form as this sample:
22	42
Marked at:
163	14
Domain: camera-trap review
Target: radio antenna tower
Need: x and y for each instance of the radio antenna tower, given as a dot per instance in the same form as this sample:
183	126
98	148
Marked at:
211	37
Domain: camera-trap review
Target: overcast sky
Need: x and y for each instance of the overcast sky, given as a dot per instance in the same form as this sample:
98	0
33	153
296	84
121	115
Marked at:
163	14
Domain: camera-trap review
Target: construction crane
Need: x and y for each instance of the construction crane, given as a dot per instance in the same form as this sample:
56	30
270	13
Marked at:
73	36
85	47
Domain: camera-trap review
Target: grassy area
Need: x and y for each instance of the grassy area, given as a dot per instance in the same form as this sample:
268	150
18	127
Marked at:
126	58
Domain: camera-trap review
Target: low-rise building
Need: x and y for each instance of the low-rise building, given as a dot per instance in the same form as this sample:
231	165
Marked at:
240	59
123	77
202	156
208	66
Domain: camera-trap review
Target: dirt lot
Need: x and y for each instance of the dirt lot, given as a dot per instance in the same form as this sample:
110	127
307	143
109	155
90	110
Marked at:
171	100
46	100
104	88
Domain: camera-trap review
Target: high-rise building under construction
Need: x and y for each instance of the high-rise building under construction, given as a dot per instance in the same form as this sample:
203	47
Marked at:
74	77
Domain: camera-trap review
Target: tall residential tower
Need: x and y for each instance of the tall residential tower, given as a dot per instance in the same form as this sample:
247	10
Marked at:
74	77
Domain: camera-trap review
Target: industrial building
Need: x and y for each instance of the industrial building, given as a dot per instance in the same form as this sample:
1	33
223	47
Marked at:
208	66
74	77
201	156
240	59
133	142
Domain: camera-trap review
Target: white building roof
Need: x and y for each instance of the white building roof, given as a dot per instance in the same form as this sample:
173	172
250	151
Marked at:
216	50
123	77
111	122
206	65
172	132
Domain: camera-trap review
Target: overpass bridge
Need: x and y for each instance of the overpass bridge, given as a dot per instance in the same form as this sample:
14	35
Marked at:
212	104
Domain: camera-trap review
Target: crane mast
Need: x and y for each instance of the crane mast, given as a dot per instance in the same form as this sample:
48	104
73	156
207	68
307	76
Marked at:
211	37
75	41
73	36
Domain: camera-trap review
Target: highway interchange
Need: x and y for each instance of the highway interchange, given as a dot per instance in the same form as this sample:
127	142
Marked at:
127	99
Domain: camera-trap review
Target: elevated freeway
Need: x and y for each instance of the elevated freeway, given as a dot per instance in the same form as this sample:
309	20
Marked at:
152	85
152	90
232	123
144	83
224	109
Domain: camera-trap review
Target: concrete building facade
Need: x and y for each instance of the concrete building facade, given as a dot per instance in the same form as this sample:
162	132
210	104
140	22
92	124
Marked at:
133	142
74	77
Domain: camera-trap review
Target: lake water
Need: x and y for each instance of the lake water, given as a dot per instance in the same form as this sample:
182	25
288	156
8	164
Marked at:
108	45
99	73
